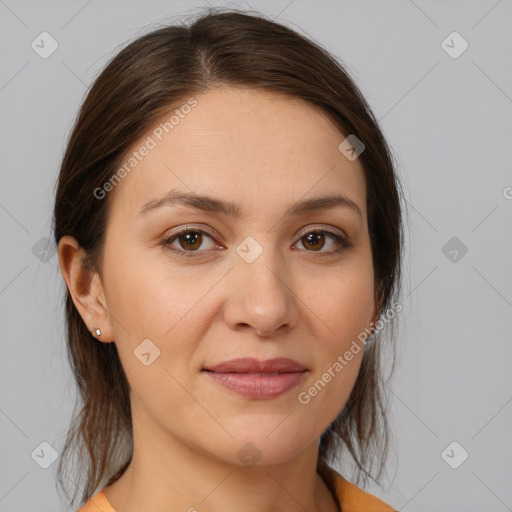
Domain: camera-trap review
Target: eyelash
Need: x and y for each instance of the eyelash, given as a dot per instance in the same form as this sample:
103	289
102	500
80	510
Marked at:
342	242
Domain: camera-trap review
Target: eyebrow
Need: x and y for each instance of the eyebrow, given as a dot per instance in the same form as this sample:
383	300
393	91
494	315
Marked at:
214	205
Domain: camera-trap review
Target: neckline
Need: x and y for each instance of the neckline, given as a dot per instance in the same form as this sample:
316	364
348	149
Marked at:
344	493
101	500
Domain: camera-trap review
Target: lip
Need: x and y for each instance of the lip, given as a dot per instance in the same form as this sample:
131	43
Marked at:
256	379
252	365
262	386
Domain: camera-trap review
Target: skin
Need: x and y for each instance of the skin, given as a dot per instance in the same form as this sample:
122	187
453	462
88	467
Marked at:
263	151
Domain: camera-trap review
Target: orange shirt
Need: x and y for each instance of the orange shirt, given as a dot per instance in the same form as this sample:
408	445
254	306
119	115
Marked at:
350	497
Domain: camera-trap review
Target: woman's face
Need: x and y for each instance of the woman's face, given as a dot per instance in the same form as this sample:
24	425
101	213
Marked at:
270	282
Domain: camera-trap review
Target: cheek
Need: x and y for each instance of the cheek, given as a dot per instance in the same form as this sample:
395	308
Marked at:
147	295
352	309
344	316
170	306
342	311
327	393
343	302
152	301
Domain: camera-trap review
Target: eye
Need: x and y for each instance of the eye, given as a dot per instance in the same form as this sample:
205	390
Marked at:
316	240
190	240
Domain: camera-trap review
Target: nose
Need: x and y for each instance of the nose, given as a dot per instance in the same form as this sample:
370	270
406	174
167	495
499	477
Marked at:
260	296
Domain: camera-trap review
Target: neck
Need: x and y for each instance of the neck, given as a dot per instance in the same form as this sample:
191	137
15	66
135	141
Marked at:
181	477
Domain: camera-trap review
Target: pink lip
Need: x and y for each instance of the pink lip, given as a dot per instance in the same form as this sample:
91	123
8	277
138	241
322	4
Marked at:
258	386
251	365
258	379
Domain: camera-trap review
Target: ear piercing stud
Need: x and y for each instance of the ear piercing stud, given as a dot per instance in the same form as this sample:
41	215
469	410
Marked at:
96	332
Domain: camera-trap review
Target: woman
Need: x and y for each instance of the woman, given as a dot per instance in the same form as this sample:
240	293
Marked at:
229	229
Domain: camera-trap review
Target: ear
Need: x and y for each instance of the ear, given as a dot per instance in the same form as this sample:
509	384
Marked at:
85	287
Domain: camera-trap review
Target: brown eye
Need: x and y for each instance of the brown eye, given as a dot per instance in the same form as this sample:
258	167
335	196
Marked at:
190	240
314	241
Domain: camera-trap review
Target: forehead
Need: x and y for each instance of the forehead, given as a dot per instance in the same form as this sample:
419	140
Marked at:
260	148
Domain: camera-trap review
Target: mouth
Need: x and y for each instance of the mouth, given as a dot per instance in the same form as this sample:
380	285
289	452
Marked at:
261	374
257	385
246	365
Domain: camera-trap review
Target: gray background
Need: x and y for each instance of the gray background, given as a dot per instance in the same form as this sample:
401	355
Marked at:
449	123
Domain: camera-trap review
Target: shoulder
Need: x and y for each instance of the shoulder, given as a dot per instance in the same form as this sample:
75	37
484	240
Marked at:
353	499
97	503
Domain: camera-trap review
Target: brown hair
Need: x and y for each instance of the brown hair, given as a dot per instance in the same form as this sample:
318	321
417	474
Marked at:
148	78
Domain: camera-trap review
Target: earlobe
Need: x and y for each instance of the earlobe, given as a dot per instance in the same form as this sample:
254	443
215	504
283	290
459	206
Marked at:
85	288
